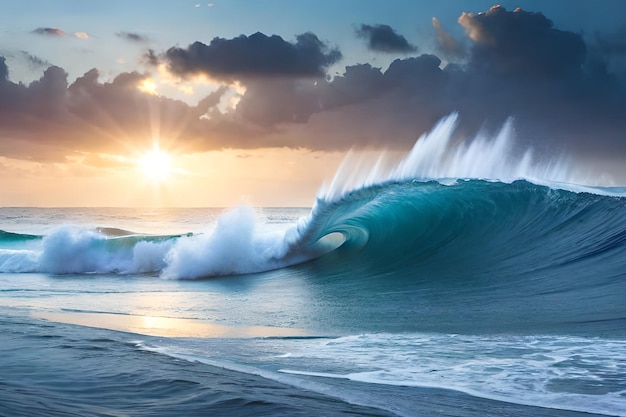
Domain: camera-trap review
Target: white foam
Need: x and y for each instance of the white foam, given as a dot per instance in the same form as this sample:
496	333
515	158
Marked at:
562	372
150	256
240	243
72	249
19	260
552	371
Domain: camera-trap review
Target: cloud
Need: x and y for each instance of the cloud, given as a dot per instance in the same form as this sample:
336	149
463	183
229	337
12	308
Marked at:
58	33
34	62
49	31
249	57
522	43
132	37
383	38
49	119
516	64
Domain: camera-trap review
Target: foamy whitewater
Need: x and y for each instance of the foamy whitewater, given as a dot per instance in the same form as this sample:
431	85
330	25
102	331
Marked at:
470	277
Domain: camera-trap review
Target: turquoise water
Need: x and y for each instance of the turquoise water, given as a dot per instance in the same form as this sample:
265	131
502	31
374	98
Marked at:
508	292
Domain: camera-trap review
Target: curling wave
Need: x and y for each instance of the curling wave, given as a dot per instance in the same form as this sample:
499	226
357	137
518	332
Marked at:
481	203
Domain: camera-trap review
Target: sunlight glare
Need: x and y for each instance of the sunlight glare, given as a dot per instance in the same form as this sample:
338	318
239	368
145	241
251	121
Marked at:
156	165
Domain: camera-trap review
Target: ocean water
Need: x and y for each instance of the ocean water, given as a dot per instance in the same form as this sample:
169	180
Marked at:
467	279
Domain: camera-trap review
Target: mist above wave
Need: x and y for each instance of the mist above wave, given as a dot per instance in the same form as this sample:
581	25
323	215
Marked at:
437	155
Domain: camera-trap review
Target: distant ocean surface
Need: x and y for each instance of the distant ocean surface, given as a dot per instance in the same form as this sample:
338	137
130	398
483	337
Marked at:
418	289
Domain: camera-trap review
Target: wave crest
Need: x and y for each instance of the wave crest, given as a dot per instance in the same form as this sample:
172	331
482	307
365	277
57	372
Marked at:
424	205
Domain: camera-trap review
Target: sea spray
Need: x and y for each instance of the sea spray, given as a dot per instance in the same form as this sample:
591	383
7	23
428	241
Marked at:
18	260
436	156
232	248
70	250
150	256
241	243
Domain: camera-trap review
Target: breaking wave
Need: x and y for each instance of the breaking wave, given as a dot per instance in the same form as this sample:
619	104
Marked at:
480	201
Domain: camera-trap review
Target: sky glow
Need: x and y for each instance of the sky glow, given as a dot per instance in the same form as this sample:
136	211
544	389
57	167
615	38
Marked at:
259	101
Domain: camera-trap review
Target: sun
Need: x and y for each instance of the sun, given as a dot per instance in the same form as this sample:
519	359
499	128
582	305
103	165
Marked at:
156	165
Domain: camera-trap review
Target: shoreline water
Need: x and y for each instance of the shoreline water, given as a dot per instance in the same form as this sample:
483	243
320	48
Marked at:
420	314
90	371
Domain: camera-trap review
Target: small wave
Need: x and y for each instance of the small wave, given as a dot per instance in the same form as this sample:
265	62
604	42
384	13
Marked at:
19	260
72	249
12	237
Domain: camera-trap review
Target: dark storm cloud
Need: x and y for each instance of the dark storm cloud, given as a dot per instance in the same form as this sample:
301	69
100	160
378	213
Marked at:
521	65
49	32
523	44
132	37
515	63
254	56
358	83
275	101
383	38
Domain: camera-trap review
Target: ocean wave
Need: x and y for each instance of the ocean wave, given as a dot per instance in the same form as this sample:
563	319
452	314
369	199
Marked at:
480	203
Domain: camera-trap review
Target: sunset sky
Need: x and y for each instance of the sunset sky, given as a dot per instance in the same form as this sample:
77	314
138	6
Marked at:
186	103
